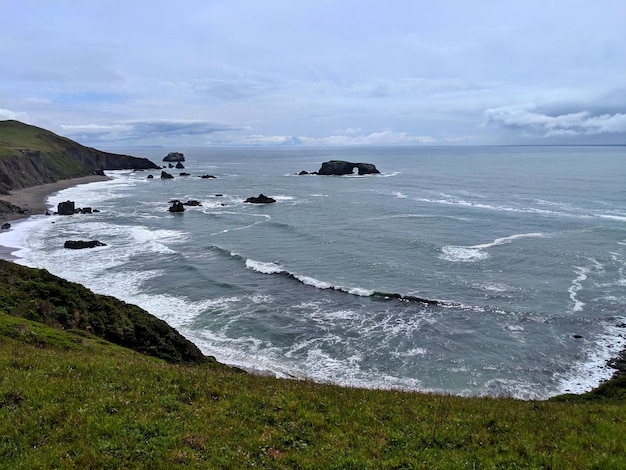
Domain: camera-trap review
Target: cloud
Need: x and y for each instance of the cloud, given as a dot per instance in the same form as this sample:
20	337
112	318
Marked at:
359	137
143	131
8	114
538	124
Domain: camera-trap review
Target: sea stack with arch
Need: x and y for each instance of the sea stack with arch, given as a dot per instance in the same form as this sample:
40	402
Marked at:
341	167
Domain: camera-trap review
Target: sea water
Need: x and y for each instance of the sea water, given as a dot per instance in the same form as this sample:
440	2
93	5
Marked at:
462	270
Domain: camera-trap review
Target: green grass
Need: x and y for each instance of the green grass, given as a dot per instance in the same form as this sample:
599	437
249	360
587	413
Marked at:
30	155
70	399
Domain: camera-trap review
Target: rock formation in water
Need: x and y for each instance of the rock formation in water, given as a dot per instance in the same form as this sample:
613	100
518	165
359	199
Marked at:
260	199
177	206
340	167
174	157
82	244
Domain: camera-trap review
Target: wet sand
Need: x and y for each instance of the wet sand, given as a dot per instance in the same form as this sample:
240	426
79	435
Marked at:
33	202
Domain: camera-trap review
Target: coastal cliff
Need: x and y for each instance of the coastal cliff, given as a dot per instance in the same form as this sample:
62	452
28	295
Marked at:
31	156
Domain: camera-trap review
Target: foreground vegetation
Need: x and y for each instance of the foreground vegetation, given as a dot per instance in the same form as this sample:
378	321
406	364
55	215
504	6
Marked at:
69	399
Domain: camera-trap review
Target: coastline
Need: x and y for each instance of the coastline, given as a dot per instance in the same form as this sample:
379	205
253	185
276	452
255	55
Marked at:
32	201
34	198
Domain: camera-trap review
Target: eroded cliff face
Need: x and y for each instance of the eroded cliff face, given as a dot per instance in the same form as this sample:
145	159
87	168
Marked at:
99	160
22	171
31	156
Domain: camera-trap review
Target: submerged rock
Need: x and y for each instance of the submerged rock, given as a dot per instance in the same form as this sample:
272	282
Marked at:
166	175
81	244
192	203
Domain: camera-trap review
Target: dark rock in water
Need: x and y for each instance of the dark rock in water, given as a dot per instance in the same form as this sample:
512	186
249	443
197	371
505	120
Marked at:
177	206
219	195
180	166
96	210
169	165
192	203
184	174
261	199
6	226
165	175
66	208
81	244
174	157
207	176
86	210
150	177
340	167
303	172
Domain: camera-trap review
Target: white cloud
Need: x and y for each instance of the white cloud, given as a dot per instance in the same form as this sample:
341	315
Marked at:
409	72
8	114
354	137
571	124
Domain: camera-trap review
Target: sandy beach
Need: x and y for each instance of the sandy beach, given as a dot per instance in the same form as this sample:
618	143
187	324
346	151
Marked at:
33	201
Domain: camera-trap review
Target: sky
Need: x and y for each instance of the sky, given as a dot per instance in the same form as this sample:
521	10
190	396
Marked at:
181	73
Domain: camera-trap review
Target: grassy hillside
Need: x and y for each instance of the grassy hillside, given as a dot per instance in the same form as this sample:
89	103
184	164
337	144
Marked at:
37	295
30	156
69	399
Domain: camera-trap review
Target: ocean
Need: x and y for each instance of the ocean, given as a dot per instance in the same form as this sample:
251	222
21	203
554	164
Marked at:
471	271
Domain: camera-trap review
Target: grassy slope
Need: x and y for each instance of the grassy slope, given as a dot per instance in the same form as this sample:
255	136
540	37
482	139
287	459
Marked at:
72	400
37	295
15	135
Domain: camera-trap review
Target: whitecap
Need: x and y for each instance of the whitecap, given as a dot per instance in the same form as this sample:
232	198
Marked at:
264	267
310	281
462	254
619	218
594	369
510	238
473	253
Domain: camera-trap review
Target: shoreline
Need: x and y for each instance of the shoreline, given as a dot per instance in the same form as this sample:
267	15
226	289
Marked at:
32	201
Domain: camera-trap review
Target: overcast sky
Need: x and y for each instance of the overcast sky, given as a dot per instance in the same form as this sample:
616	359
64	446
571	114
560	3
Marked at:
316	72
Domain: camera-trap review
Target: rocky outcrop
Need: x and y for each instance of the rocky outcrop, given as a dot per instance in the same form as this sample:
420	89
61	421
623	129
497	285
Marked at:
177	206
82	244
174	157
166	176
180	166
8	210
101	161
260	199
66	208
192	203
340	167
204	177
